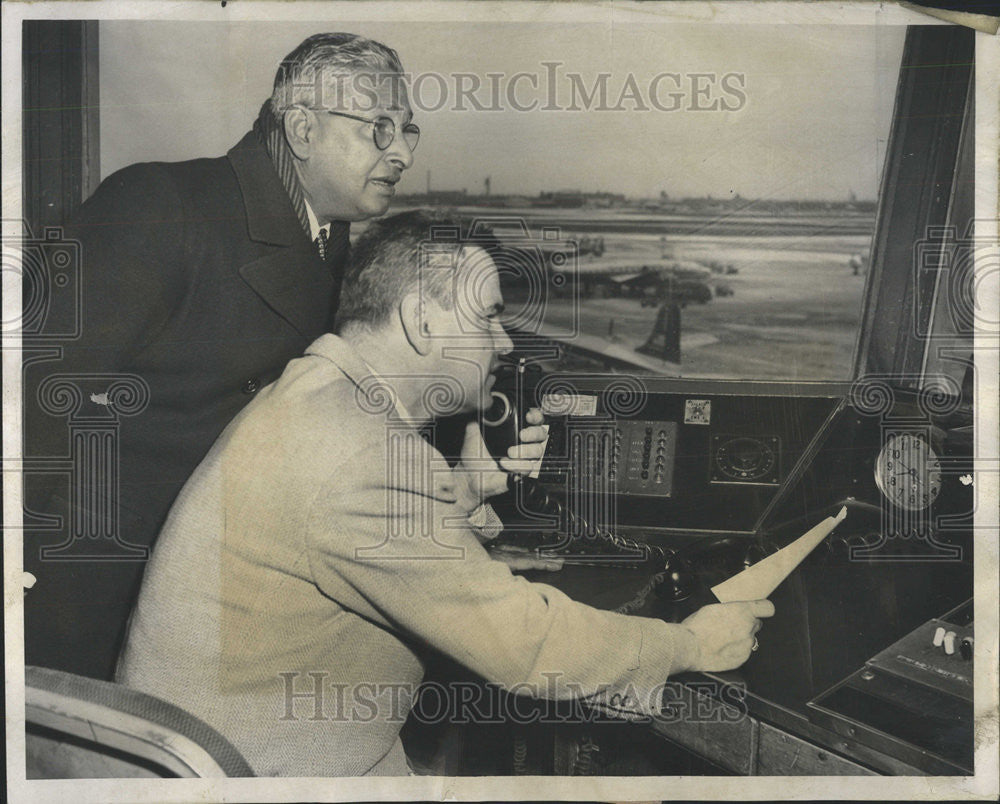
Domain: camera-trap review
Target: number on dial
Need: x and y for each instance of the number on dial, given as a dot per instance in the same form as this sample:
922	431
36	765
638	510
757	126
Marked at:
908	472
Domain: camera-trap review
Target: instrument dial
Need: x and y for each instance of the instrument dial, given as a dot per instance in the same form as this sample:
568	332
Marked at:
908	472
743	459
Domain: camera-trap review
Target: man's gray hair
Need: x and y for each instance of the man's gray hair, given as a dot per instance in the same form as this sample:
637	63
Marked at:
317	73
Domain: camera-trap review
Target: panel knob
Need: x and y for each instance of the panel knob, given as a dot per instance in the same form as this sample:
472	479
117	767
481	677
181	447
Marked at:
965	648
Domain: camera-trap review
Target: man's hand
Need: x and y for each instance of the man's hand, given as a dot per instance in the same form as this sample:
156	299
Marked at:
478	476
526	456
724	633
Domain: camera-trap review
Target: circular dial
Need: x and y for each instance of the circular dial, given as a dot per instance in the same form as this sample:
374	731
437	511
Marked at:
745	458
908	472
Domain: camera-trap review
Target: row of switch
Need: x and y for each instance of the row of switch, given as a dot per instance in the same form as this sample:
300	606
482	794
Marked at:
946	639
661	448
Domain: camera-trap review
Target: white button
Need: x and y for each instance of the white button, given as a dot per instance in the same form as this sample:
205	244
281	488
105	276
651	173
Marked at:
949	642
938	637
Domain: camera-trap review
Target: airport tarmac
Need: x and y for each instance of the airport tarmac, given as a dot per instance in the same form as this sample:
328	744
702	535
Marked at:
788	318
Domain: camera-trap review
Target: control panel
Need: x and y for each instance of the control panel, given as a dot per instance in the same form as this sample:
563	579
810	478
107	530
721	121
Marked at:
912	700
938	654
642	457
701	459
628	457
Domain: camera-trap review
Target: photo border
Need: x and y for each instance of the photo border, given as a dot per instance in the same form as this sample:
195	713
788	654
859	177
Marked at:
983	785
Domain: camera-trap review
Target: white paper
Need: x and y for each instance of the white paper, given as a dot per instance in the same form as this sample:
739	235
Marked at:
760	580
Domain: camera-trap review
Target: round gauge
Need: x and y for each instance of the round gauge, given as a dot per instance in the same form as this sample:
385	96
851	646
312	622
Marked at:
745	459
908	472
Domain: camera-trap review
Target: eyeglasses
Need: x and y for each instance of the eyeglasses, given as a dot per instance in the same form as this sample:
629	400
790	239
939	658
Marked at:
384	130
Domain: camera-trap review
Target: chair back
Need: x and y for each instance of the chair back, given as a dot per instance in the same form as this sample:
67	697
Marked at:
83	728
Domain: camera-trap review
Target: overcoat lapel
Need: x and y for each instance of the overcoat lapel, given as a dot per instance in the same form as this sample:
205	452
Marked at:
290	277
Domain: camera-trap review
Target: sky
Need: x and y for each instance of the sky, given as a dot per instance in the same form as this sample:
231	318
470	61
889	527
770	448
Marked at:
763	111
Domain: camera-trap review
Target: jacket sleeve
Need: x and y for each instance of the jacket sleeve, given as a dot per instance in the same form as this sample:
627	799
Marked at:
380	544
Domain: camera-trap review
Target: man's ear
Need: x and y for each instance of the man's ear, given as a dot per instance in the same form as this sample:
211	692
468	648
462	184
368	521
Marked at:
416	325
300	130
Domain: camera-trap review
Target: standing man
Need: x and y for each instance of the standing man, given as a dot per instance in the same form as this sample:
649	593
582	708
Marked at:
322	545
200	281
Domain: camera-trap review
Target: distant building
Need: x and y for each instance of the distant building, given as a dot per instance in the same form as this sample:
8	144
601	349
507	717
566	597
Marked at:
444	198
560	198
604	200
732	208
516	200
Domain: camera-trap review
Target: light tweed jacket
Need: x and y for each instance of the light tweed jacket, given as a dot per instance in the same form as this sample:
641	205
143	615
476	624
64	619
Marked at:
306	560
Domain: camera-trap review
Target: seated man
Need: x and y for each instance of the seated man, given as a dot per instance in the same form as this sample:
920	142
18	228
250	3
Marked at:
323	542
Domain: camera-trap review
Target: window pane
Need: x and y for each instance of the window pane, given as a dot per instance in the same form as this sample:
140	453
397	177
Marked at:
714	222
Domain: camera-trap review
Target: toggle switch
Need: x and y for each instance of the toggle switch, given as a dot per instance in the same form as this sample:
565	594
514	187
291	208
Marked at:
938	637
949	642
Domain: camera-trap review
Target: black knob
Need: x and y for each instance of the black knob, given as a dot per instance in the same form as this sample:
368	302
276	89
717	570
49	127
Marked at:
679	580
965	648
